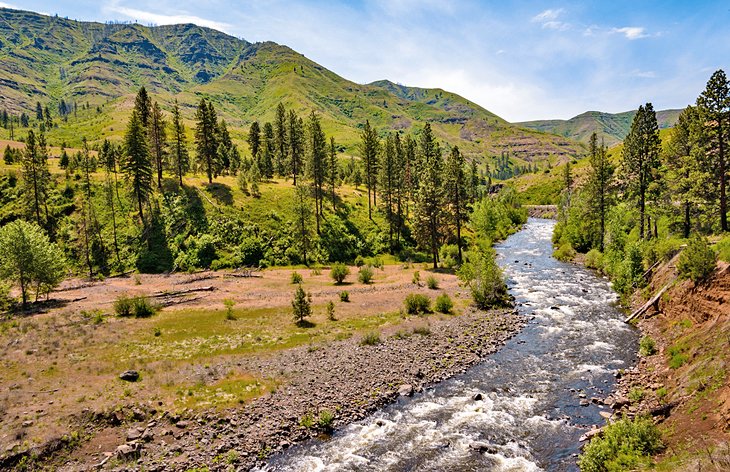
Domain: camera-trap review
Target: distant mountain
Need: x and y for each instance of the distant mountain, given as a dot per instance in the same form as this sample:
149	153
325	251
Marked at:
611	127
48	58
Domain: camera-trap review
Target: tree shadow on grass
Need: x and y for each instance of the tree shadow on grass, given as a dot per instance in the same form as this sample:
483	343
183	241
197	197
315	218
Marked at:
305	324
221	192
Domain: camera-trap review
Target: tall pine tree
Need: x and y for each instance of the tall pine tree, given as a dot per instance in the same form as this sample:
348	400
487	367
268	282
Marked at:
457	194
317	163
369	147
158	140
136	164
295	136
180	160
600	174
281	142
206	139
429	199
36	176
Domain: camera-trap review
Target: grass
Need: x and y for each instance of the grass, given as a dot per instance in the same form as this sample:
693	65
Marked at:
229	392
677	355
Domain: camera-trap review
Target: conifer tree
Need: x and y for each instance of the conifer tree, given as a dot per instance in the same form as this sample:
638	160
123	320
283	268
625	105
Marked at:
295	136
108	159
317	163
280	140
640	159
136	164
332	172
388	185
600	174
156	130
369	147
143	107
36	176
180	159
714	106
303	222
401	195
457	195
206	139
267	151
254	138
429	196
38	111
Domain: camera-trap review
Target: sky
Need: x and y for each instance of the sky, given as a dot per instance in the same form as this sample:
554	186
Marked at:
523	60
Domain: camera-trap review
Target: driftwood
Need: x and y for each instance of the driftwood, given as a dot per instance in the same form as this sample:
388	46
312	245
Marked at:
177	293
171	302
653	301
198	278
650	270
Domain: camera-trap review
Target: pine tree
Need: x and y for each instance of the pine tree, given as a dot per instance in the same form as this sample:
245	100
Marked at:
38	111
280	140
369	147
640	159
254	139
457	195
714	106
143	107
108	158
296	144
36	176
136	164
600	174
178	145
267	151
206	139
388	185
332	172
317	164
95	251
429	196
303	222
158	140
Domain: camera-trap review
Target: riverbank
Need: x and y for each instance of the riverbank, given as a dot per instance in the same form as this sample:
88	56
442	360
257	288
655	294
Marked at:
346	379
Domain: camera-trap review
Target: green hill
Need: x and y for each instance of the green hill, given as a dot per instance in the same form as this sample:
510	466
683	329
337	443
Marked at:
48	59
611	127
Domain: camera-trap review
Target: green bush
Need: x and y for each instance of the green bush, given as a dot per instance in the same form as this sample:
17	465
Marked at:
424	330
229	304
723	249
326	418
677	358
666	248
484	278
636	394
624	445
697	262
647	346
417	303
331	311
564	253
449	256
359	261
344	296
339	272
301	305
296	278
123	306
365	274
138	307
443	303
371	338
594	260
416	278
432	282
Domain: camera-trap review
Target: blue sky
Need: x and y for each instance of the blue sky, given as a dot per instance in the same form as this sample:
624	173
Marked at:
522	60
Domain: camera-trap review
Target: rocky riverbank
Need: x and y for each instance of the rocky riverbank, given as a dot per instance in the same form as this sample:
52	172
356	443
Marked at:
345	379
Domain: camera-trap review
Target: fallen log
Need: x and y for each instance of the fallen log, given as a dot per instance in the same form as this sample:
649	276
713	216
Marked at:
167	303
649	271
177	293
649	304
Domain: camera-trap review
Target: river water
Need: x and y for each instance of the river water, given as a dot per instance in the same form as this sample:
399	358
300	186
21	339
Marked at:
530	416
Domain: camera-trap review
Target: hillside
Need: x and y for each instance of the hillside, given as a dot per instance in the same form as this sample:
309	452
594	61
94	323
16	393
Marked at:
611	127
48	59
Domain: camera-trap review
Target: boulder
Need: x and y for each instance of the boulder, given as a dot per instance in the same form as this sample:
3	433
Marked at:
129	375
405	390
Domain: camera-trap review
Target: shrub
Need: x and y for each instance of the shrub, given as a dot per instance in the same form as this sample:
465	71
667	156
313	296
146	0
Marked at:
564	253
307	420
142	307
370	339
424	330
697	262
432	282
296	278
666	248
636	394
326	418
316	270
449	256
677	358
647	346
723	249
344	296
123	305
157	332
301	305
624	445
594	260
359	261
443	303
365	274
331	311
339	272
229	304
484	278
417	303
416	278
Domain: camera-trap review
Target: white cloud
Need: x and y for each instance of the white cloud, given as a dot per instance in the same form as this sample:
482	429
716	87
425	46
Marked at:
162	19
631	32
549	20
642	74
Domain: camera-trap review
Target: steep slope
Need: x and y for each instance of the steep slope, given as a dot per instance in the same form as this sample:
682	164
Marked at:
48	59
611	127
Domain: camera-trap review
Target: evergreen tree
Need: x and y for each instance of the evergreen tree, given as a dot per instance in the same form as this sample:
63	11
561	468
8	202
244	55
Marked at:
38	111
158	140
332	172
600	174
303	222
143	107
179	147
254	139
267	151
206	139
49	119
369	147
456	193
36	176
225	147
296	144
411	170
94	250
388	185
401	195
640	159
317	164
136	164
429	196
280	140
108	158
714	106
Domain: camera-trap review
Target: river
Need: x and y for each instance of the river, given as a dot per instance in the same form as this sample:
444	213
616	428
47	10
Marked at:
523	408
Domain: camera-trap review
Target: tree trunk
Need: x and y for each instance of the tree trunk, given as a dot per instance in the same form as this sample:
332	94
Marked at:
686	220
